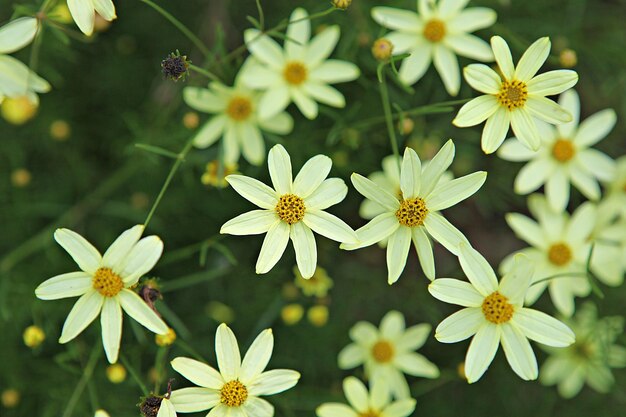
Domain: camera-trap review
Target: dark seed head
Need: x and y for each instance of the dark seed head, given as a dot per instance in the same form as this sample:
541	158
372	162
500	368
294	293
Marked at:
175	66
150	406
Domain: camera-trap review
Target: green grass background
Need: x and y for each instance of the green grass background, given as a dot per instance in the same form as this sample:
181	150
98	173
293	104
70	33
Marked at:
113	95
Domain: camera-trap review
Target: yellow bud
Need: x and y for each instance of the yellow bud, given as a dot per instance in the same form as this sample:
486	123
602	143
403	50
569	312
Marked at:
116	373
33	336
18	110
191	120
20	177
382	49
460	370
215	175
220	312
165	339
10	398
318	315
342	4
406	126
61	13
100	24
60	130
568	58
292	314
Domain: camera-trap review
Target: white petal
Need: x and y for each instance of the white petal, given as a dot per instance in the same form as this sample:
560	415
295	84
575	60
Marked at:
547	110
258	407
481	351
141	259
533	175
435	168
460	325
379	228
105	8
424	251
393	18
456	292
279	164
587	185
518	352
227	352
111	322
282	124
67	285
416	365
273	247
356	394
334	71
495	130
251	223
166	409
532	59
525	129
273	382
478	270
414	337
450	8
402	41
307	106
513	150
476	111
526	229
17	34
120	249
453	192
469	46
448	68
197	372
273	101
260	77
557	191
190	400
392	325
351	356
397	251
257	356
364	333
444	232
264	48
482	78
335	410
312	174
254	191
84	254
374	192
414	67
325	94
251	142
17	79
410	174
400	408
581	223
85	310
472	19
542	328
515	283
135	307
502	53
304	246
330	226
230	143
203	99
298	34
322	45
569	101
329	193
83	14
552	82
598	164
210	132
595	128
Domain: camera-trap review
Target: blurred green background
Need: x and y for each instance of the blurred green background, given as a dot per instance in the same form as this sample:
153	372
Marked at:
111	93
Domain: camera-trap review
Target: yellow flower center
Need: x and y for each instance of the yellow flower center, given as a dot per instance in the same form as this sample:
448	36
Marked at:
295	73
563	150
239	108
412	212
513	94
107	282
435	30
233	393
290	208
369	413
559	254
382	351
497	309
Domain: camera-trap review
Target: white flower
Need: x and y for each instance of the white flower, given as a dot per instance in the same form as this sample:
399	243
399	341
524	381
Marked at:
234	390
590	359
517	98
293	209
84	13
416	215
494	313
437	33
387	353
236	120
616	189
560	248
301	72
608	260
104	283
565	156
375	403
16	79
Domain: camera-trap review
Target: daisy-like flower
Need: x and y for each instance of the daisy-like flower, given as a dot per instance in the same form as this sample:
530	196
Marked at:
301	72
84	13
516	98
104	283
235	389
565	156
494	313
236	120
375	403
559	248
294	209
440	30
415	216
16	79
388	353
590	359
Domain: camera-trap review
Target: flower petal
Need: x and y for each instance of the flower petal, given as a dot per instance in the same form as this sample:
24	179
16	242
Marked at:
397	252
552	82
257	356
557	191
111	322
335	410
472	19
414	337
67	285
595	128
227	352
258	407
83	14
210	132
307	106
424	251
135	307
329	193
392	325
476	111
416	365
532	59
119	249
191	400
166	409
444	232
432	172
518	353
482	78
351	356
481	352
197	372
513	150
410	174
372	191
279	164
495	130
460	325
298	34
525	129
17	34
253	222
393	18
334	71
273	247
204	100
478	270
330	226
264	48
414	67
254	191
453	192
469	46
457	292
251	142
105	8
312	174
514	284
585	183
325	94
84	254
273	382
447	66
85	310
322	45
526	229
542	328
273	101
379	228
533	175
400	408
502	53
599	164
356	394
304	246
140	260
547	110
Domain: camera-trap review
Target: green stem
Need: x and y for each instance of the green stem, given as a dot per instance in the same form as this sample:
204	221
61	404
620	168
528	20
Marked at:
82	383
179	161
384	95
180	26
443	107
133	373
562	275
204	72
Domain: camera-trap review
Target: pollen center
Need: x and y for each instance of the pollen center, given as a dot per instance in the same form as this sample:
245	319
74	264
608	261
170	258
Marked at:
369	413
233	393
435	30
513	94
559	254
239	108
412	212
295	73
290	208
107	282
382	351
563	150
497	309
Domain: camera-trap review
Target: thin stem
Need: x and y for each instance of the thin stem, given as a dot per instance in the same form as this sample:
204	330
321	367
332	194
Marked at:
179	161
82	382
180	26
204	72
561	275
133	373
384	95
